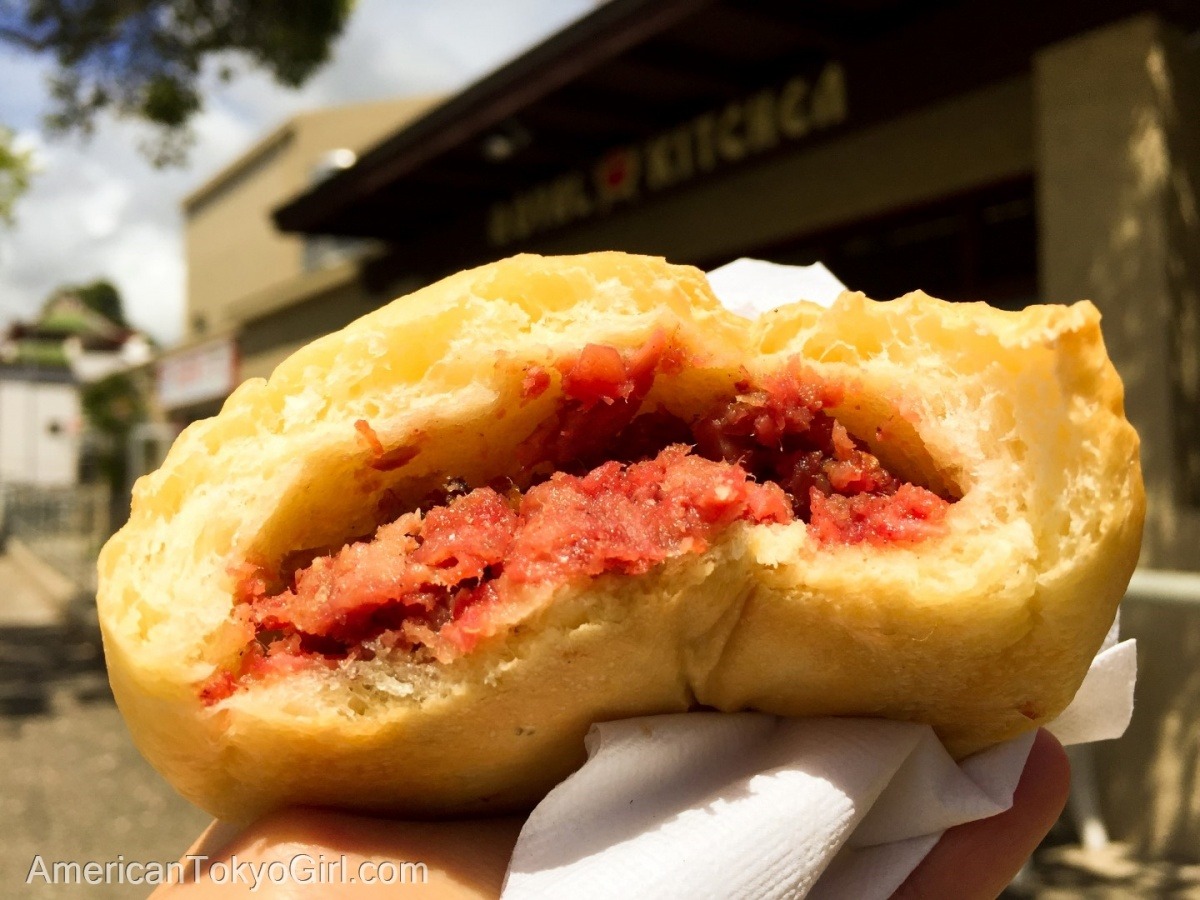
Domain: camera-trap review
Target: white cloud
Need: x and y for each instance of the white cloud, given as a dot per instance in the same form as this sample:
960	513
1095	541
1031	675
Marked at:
23	97
99	210
101	217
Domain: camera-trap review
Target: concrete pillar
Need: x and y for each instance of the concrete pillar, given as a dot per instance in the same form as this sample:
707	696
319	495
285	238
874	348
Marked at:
1117	129
1117	124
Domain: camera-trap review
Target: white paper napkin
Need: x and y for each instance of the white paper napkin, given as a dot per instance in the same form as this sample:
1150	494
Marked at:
754	806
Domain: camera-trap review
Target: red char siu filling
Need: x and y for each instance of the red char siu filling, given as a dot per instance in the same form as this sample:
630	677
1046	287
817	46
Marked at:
621	491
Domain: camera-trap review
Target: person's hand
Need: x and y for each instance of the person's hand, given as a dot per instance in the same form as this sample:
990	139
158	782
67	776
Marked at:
468	859
465	859
979	859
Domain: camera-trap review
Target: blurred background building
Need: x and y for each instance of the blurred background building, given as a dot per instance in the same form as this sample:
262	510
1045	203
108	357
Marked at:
65	406
1013	153
255	294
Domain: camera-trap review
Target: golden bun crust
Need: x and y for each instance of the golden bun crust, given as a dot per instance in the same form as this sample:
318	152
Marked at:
983	633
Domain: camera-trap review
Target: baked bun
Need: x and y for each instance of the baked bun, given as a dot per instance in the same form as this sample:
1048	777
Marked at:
978	494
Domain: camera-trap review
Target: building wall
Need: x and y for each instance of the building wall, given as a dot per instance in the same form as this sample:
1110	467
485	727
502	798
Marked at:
1116	228
231	244
39	433
1118	163
233	249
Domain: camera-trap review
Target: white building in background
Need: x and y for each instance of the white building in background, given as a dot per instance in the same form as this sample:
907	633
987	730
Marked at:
40	426
43	367
90	363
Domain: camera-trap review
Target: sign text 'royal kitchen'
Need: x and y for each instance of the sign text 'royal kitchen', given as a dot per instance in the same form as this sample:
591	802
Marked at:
737	132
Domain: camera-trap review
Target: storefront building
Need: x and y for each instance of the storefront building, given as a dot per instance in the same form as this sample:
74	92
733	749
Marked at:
1010	152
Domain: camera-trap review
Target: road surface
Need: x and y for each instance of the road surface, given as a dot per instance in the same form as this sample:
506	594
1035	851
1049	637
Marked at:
72	786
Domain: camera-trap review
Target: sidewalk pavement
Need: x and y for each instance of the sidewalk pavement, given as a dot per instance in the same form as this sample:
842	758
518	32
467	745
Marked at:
63	566
24	600
74	788
1110	873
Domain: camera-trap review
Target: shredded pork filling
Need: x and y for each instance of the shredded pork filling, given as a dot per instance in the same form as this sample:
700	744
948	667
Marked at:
609	488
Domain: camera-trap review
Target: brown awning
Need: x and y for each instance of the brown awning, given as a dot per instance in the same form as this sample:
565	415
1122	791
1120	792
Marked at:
634	69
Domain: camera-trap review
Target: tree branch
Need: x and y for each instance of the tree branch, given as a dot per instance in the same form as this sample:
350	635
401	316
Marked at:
23	40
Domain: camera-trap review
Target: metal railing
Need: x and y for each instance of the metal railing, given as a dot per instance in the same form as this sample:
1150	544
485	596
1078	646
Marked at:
64	526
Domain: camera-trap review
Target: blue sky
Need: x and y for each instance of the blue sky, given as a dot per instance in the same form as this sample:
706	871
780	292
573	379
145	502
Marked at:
98	209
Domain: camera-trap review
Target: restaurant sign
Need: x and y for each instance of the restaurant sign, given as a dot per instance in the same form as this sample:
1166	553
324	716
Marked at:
737	132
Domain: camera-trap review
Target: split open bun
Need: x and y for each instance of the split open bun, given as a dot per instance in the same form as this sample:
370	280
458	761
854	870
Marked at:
983	630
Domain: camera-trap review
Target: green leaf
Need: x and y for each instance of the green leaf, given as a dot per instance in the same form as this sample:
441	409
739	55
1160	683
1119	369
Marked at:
143	59
16	168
